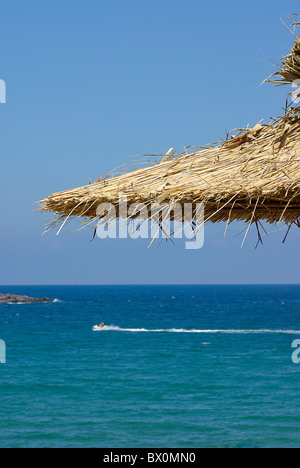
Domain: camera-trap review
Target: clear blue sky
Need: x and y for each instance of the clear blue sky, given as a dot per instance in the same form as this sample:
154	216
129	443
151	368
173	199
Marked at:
92	83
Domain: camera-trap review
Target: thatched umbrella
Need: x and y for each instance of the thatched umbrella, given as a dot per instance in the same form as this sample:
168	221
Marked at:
289	70
252	176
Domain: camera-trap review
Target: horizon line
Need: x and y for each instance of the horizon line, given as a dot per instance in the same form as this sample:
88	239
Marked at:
149	284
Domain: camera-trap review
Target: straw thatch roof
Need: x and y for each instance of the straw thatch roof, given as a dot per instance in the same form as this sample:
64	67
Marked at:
252	176
289	69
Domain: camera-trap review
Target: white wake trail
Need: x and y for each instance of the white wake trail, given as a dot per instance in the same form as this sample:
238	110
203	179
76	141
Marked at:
203	331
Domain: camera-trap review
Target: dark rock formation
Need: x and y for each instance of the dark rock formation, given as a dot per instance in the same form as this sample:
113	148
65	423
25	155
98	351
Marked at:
14	299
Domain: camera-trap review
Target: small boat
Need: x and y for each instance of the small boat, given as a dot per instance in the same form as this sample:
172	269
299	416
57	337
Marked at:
99	327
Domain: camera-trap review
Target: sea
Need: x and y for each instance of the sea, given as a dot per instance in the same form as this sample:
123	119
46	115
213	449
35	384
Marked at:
175	367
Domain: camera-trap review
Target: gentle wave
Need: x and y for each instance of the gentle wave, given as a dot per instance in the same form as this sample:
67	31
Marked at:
35	303
183	330
25	303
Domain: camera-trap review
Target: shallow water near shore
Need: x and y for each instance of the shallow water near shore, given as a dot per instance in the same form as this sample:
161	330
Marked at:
177	366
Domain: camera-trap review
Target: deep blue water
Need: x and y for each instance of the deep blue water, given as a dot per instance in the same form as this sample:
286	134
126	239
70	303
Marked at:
230	382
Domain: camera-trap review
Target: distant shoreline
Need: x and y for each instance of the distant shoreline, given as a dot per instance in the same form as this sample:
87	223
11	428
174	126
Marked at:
18	299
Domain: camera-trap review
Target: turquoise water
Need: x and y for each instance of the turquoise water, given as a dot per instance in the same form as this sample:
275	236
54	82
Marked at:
180	366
